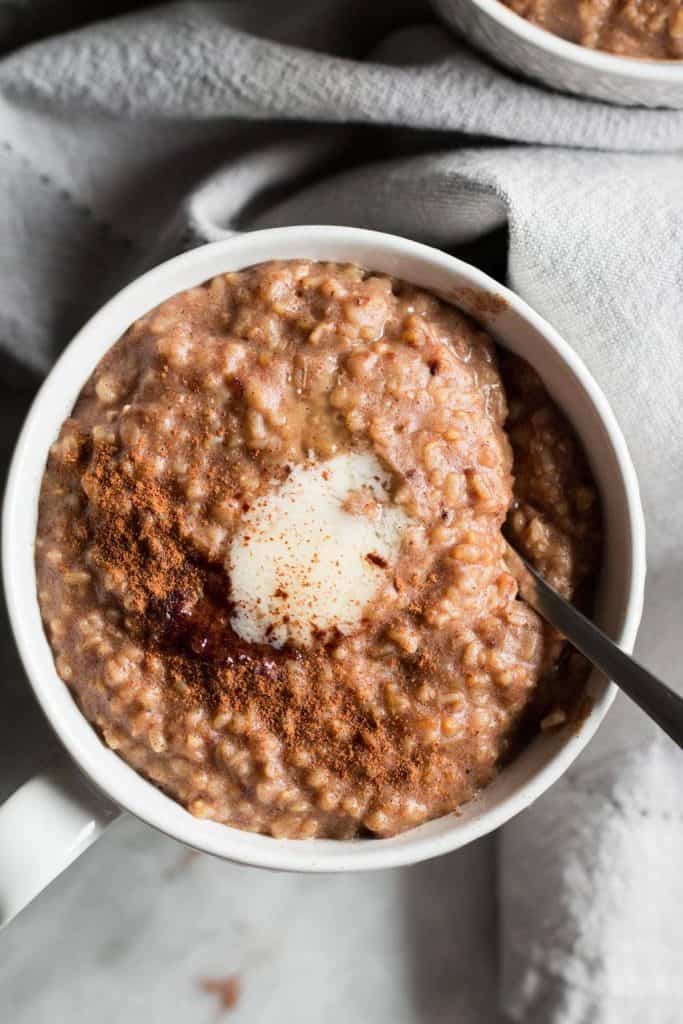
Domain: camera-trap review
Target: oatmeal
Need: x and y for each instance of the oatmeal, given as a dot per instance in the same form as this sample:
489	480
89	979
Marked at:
628	28
270	552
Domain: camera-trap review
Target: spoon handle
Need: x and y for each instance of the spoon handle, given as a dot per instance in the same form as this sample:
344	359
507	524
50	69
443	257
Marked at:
655	698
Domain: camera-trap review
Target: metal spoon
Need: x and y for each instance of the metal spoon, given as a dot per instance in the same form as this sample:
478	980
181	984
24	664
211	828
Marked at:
654	697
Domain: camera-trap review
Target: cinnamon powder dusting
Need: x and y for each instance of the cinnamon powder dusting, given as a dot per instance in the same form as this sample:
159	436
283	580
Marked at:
178	604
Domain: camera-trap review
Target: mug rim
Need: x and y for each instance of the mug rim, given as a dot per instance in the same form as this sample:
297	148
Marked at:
114	777
647	69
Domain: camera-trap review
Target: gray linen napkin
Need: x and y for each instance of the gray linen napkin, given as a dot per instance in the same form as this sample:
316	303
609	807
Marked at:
126	140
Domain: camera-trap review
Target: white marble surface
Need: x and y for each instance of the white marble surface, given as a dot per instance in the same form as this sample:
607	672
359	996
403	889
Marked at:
129	932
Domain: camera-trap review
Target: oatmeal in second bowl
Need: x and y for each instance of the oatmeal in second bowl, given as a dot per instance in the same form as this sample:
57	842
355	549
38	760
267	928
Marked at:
650	29
270	551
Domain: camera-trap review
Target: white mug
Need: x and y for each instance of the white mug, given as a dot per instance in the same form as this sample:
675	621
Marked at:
49	821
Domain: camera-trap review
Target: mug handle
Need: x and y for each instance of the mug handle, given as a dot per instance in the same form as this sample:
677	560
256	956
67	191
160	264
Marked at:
44	826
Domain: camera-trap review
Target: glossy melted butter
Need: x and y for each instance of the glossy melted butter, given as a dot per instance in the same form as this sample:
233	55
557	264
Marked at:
313	552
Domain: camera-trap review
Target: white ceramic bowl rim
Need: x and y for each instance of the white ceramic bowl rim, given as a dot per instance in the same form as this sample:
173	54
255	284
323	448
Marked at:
647	69
55	399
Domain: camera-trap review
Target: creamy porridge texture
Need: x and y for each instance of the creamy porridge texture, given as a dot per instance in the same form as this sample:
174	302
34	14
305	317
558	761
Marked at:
629	28
270	558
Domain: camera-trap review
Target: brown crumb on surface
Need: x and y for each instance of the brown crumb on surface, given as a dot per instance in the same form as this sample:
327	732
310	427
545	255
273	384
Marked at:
228	990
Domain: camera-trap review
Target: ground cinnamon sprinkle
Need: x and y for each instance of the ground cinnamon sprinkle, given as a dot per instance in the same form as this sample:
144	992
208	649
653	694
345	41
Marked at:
137	533
177	604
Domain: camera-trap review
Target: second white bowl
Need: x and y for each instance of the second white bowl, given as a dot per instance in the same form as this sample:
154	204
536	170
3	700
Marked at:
531	51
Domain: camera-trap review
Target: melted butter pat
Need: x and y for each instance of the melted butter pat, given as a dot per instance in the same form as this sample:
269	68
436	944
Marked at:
314	551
